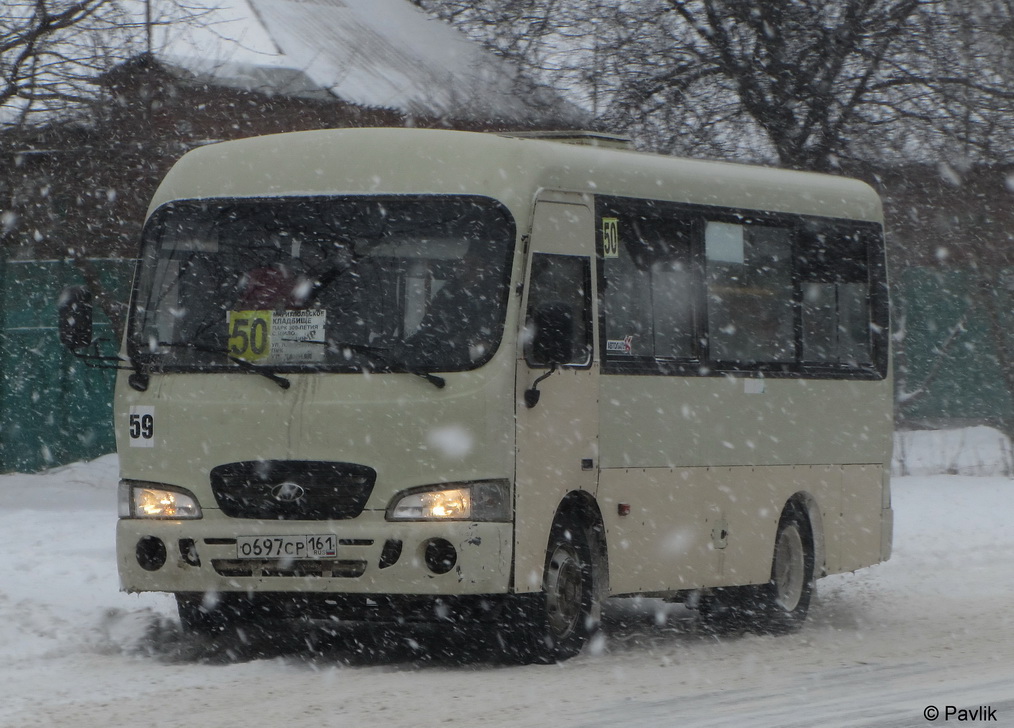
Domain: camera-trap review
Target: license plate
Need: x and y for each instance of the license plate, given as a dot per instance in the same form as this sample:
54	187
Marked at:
287	547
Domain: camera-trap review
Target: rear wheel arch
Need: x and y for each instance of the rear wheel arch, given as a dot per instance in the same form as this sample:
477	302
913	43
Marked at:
805	506
781	604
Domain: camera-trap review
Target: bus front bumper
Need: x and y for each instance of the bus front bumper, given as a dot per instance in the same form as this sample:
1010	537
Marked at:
371	556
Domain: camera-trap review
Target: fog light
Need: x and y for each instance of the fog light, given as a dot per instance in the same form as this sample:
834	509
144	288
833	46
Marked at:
151	553
440	556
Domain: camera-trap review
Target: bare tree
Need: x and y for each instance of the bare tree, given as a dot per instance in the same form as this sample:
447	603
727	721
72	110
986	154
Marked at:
806	84
787	82
51	51
804	74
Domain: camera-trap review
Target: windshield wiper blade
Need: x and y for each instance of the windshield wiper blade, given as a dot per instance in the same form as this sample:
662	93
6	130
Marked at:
241	363
257	369
384	358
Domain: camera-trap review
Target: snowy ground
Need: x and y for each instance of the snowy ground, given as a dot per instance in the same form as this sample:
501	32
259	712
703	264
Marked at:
970	451
932	627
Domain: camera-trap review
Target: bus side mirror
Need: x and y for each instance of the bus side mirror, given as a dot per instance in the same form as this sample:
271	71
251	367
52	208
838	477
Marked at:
553	340
75	313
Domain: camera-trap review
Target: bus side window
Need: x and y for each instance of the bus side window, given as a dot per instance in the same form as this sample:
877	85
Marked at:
836	303
561	280
750	293
648	283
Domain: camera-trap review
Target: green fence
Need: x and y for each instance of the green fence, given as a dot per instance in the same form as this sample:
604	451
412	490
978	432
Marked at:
968	385
53	408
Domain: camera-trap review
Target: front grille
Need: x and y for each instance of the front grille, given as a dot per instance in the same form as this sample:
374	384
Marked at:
293	490
274	567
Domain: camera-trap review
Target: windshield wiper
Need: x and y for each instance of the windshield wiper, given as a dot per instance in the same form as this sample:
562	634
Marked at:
384	358
241	363
369	351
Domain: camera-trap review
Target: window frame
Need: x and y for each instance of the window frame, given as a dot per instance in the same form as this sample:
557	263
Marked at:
589	322
653	364
154	231
702	364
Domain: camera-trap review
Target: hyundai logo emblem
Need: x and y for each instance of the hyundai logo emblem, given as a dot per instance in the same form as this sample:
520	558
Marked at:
288	492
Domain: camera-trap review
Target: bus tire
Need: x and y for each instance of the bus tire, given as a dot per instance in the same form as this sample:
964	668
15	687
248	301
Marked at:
778	607
785	600
554	624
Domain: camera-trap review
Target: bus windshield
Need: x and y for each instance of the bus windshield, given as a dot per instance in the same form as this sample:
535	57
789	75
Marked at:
338	283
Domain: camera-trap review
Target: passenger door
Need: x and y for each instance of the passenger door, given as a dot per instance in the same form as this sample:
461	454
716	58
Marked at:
557	438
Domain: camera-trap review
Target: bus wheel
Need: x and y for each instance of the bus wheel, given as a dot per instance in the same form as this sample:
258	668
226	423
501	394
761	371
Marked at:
785	599
555	623
778	607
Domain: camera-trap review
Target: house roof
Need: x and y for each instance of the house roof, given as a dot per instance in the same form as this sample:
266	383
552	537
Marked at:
374	53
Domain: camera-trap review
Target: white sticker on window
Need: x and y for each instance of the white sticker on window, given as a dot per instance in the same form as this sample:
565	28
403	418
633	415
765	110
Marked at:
724	242
293	326
296	336
620	346
141	426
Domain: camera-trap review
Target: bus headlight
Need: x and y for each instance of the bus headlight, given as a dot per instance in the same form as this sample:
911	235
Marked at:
154	500
482	500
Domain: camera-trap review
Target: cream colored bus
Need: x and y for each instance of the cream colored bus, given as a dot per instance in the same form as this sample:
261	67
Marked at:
458	377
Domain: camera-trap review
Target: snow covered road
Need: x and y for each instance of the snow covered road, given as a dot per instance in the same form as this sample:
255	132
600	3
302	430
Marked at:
932	627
